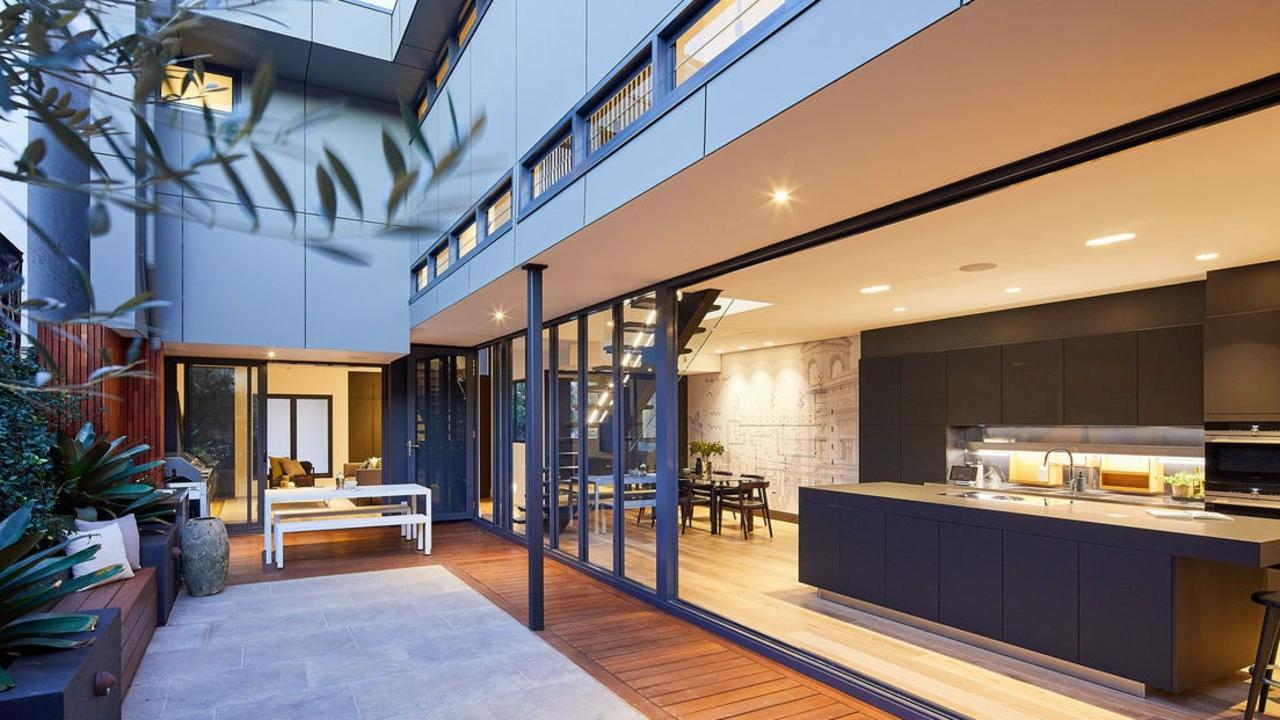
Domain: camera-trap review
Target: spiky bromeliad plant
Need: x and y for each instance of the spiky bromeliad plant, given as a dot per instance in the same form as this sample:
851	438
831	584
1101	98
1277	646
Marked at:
30	581
97	479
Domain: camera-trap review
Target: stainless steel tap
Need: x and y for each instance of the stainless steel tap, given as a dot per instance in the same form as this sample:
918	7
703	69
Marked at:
1073	483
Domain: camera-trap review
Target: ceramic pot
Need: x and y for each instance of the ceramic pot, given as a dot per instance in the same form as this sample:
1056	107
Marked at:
206	556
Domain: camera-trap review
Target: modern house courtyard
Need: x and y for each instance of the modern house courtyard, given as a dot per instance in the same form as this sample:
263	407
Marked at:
389	359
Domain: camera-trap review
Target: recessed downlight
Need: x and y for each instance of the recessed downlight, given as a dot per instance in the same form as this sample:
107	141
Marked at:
769	344
719	352
271	353
1013	290
873	289
1110	239
1206	257
742	347
781	196
978	267
899	309
499	315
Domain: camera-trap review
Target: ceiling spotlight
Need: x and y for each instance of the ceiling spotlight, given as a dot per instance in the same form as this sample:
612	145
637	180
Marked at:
781	196
1205	257
499	315
271	353
1013	290
873	289
742	347
719	352
899	309
978	267
1110	239
769	344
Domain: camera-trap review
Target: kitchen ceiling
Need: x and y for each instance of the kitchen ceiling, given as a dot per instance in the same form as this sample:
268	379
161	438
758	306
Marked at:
1209	191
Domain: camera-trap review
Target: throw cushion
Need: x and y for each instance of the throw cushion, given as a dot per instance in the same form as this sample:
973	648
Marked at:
128	530
293	467
277	466
111	551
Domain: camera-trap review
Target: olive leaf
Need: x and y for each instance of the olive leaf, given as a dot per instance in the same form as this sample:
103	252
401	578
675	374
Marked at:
328	197
278	188
348	183
395	159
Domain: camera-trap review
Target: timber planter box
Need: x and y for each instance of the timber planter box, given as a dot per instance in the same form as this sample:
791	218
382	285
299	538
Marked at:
80	684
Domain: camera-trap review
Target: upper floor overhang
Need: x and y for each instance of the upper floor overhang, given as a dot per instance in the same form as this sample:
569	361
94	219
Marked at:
995	82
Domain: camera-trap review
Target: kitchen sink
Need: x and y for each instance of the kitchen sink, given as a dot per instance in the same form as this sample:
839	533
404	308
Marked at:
989	496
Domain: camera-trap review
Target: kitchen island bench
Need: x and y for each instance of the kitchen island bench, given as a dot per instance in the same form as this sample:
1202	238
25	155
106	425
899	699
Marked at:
1104	591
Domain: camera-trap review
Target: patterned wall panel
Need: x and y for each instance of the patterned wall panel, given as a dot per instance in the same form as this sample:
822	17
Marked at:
789	413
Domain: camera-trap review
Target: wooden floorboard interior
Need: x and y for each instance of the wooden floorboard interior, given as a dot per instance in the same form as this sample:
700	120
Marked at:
663	666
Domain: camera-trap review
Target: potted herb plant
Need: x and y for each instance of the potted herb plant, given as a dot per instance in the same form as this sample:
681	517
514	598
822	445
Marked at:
1184	485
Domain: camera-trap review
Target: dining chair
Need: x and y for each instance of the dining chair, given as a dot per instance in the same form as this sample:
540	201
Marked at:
749	497
689	497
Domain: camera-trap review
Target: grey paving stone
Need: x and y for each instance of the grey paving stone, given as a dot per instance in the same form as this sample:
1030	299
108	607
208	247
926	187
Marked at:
179	637
389	645
316	704
145	702
301	644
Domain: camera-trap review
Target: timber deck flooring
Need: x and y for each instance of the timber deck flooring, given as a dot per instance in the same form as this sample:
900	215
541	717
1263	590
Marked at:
662	666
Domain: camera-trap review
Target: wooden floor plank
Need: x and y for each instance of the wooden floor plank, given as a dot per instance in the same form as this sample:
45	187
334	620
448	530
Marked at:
662	666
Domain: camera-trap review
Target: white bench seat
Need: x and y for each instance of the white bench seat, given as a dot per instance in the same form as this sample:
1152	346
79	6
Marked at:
418	524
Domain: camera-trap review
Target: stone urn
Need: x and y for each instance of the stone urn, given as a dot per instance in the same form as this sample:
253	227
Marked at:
206	556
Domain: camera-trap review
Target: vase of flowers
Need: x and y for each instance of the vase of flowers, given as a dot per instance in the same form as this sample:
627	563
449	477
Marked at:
705	450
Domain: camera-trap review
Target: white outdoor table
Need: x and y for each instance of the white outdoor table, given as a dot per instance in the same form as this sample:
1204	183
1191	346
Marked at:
320	494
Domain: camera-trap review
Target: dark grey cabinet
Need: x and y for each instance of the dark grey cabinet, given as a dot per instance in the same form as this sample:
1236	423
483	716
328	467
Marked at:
974	386
923	453
878	383
911	565
1126	613
1242	366
879	453
819	544
924	389
970	575
1041	599
1171	376
1100	379
1031	390
862	556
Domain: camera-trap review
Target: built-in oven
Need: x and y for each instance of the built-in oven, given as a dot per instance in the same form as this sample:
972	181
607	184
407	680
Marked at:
1242	467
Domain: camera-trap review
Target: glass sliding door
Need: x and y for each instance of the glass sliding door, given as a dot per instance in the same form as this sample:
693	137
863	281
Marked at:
637	414
566	437
486	472
220	409
598	426
517	432
442	406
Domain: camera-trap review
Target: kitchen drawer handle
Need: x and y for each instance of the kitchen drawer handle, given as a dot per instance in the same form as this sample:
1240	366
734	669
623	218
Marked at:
104	683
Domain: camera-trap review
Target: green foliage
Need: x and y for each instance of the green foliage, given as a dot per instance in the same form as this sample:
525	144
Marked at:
26	440
1183	478
96	479
65	63
32	579
705	448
